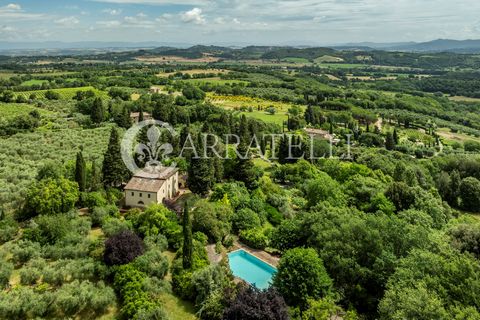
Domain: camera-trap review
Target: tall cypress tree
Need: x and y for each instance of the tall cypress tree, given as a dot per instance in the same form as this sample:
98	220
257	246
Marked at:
96	179
187	250
200	171
98	111
140	115
395	136
245	170
80	172
114	170
390	141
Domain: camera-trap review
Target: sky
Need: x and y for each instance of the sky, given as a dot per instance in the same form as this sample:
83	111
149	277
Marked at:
240	22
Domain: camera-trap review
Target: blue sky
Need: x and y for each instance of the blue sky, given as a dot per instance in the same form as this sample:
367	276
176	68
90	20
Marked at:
239	21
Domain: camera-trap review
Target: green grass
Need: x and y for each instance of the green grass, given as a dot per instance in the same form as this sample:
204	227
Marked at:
34	82
12	110
6	75
277	118
176	308
216	80
296	60
65	93
342	65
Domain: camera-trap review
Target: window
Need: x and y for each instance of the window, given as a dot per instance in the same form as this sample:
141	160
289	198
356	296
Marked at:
133	193
140	195
149	196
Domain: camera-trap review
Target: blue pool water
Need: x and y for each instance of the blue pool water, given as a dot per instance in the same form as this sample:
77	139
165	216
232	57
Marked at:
251	269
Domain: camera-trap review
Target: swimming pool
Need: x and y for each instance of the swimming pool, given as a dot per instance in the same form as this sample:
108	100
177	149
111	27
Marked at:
251	269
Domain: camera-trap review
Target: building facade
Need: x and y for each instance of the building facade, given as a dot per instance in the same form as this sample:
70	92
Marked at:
145	188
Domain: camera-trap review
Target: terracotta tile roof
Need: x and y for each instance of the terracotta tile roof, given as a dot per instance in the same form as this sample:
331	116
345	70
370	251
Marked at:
144	184
148	182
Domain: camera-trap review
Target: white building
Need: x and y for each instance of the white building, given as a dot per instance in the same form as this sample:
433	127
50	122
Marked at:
145	188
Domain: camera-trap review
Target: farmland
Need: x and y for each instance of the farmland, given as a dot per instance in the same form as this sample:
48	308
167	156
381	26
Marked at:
396	190
64	93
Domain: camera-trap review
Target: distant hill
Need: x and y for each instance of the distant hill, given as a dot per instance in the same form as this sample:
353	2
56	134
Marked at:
307	53
445	45
440	45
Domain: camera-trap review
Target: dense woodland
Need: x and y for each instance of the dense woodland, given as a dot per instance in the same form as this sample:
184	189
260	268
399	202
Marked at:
384	226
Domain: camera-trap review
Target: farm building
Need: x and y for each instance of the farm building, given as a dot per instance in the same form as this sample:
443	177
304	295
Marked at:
147	188
135	116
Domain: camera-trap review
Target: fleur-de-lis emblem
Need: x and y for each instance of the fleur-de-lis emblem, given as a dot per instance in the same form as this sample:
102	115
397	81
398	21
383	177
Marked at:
154	151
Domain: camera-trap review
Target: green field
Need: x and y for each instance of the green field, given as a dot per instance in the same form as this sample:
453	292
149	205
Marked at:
216	80
10	110
244	102
34	82
65	93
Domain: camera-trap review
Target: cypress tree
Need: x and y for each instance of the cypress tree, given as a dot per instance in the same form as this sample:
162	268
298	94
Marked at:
114	170
96	179
80	172
245	170
187	250
200	172
390	141
395	136
98	111
283	150
140	115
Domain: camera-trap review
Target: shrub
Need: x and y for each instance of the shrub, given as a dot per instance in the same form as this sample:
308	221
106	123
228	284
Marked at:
50	196
122	248
152	263
254	304
273	215
129	283
24	250
300	276
245	219
112	226
93	199
254	238
8	228
48	229
212	218
208	280
157	219
6	269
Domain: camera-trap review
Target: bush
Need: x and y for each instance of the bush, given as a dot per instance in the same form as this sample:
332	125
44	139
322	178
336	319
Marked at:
152	263
112	226
301	276
273	215
93	199
48	229
254	238
245	219
254	304
6	269
8	228
122	248
129	283
157	219
212	218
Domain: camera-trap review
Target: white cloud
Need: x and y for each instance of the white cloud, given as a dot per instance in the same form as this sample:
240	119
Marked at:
164	18
157	2
112	12
67	21
109	23
13	6
193	16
